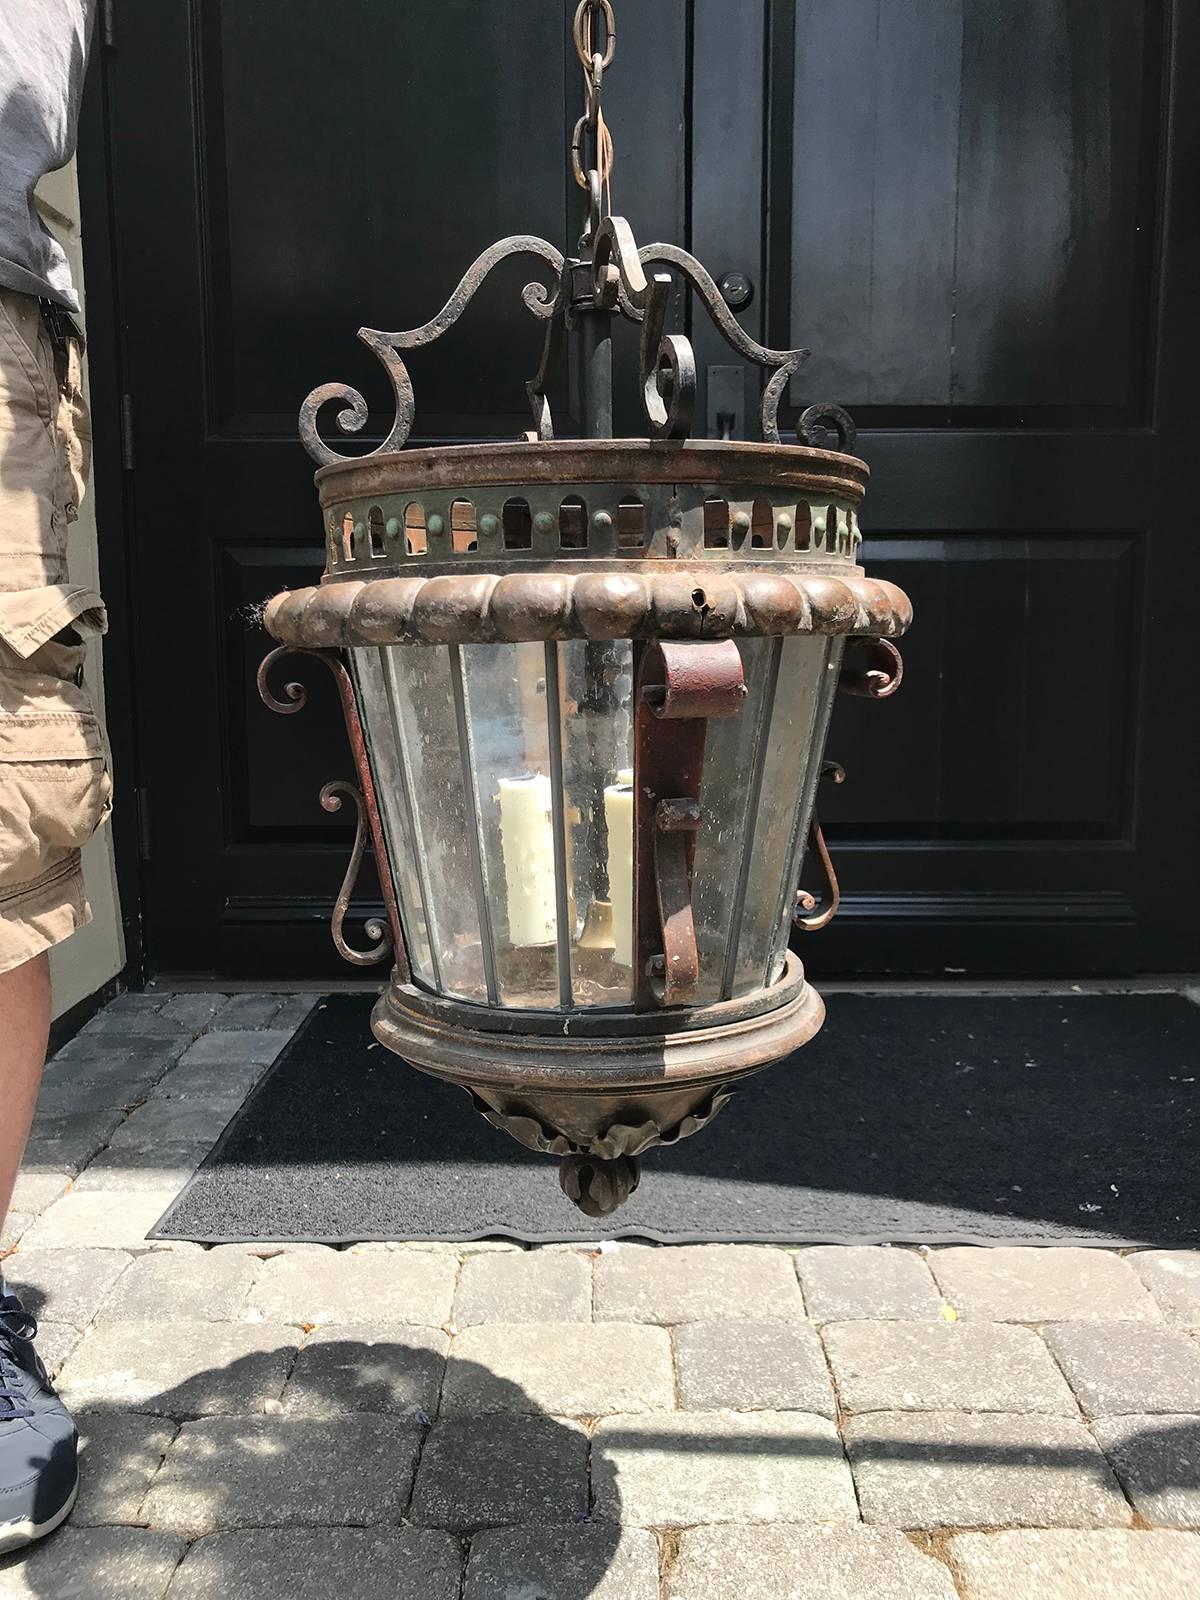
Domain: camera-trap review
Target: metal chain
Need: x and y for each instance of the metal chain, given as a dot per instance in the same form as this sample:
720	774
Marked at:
594	175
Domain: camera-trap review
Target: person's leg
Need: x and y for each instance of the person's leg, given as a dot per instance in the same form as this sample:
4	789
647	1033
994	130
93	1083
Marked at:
25	1007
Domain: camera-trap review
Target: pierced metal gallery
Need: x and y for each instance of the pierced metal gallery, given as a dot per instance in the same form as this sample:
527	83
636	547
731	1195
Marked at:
587	684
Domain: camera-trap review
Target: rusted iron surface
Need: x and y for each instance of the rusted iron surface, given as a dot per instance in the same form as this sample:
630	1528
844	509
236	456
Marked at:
700	461
604	1096
295	701
880	677
598	1187
331	799
676	603
677	688
831	900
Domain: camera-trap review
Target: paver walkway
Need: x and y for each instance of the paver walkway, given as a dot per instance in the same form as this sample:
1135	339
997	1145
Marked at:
485	1422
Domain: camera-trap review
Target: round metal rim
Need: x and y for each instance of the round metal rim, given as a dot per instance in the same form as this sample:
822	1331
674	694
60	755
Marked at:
693	461
596	1066
600	1022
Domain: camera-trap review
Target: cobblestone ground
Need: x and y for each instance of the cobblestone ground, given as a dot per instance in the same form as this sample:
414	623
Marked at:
436	1422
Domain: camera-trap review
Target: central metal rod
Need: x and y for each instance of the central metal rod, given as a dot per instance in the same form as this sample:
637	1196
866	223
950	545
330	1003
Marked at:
595	329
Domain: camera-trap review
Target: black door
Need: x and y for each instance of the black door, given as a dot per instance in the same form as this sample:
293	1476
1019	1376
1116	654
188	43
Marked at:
978	217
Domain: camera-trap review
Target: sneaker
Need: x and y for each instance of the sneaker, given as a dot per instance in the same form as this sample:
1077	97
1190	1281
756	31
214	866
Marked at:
39	1473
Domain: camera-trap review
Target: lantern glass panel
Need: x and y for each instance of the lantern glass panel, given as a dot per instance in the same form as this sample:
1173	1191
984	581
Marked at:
730	759
394	789
505	691
596	699
803	682
804	808
419	715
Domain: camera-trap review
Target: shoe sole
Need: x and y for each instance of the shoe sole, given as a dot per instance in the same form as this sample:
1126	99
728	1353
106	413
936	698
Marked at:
16	1535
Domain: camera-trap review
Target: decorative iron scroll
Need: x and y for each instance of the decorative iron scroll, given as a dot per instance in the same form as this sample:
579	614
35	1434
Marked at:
387	345
615	280
331	800
832	898
388	940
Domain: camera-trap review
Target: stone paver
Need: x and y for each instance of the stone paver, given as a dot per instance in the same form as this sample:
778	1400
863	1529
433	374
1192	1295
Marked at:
951	1469
345	1287
752	1366
65	1285
1158	1462
1053	1284
695	1283
167	1167
13	1227
598	1560
481	1472
388	1369
113	1023
211	1082
237	1048
149	1003
793	1563
118	1456
192	1012
691	1467
200	1286
93	1564
55	1342
341	1563
112	1220
1173	1278
91	1058
269	1472
926	1366
34	1191
66	1144
524	1286
94	1100
294	1011
842	1283
1060	1564
1123	1368
248	1011
182	1122
183	1369
565	1368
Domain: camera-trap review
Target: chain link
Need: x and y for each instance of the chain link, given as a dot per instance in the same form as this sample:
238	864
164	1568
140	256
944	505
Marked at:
593	175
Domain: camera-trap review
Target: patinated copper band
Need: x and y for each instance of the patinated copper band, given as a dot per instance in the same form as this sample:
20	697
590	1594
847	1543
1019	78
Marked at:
672	604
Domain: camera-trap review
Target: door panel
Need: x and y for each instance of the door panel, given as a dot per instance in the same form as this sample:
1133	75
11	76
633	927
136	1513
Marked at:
972	203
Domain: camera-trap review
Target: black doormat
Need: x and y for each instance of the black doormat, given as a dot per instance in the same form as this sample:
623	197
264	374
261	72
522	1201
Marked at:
910	1119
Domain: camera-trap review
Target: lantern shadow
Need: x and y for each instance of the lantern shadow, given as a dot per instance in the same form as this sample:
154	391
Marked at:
255	1496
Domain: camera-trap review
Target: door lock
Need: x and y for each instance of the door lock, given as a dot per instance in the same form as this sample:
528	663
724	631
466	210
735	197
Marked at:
736	290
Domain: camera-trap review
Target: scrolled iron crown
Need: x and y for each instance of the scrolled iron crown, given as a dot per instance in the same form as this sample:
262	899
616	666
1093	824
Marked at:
615	279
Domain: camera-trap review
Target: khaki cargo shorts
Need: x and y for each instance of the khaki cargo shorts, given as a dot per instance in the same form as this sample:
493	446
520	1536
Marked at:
54	783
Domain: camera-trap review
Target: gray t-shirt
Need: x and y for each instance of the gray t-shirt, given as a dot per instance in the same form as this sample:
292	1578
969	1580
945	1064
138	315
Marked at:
43	52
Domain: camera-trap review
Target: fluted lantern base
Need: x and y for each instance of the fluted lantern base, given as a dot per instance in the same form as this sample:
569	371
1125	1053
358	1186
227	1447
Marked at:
597	1089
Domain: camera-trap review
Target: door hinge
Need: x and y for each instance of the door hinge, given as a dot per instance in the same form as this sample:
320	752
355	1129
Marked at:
128	459
142	803
108	25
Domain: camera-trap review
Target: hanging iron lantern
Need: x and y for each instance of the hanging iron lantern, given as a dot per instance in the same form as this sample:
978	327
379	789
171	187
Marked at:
587	684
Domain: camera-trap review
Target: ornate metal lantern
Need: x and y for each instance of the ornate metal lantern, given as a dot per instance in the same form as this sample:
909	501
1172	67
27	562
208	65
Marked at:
587	685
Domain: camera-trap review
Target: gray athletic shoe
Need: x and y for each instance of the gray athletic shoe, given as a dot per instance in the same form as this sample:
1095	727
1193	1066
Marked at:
39	1473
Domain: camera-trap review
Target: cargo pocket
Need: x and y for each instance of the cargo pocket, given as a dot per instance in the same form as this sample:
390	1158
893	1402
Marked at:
55	789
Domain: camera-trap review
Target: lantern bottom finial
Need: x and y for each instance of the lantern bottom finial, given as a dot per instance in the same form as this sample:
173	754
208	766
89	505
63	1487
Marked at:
596	1186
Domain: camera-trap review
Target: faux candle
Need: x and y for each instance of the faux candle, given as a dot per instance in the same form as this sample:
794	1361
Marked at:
618	810
527	837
